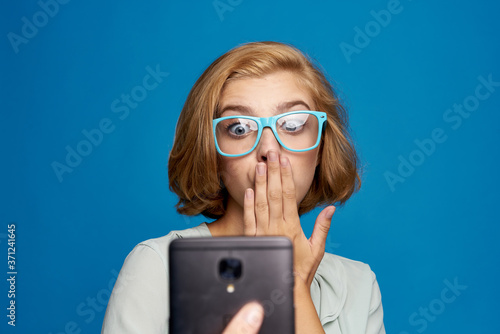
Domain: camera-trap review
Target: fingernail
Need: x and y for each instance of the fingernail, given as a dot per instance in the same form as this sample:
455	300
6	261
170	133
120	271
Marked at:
249	193
272	156
284	161
261	169
329	213
255	315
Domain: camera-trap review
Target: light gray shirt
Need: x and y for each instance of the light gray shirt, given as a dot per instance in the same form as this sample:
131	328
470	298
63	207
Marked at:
345	292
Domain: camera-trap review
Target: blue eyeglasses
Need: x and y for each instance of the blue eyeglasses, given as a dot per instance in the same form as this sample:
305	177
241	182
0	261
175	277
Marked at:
296	131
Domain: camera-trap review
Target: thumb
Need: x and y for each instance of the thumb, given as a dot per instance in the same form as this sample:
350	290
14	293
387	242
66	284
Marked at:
248	320
321	228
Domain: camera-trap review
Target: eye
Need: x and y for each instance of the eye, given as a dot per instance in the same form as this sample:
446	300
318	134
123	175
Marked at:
291	124
239	129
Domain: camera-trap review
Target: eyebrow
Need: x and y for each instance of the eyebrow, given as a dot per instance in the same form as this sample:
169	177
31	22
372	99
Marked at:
291	104
282	107
234	107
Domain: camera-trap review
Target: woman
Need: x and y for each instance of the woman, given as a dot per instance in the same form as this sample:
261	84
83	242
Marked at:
261	139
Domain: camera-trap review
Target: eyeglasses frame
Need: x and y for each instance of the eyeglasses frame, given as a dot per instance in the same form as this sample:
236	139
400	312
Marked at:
270	122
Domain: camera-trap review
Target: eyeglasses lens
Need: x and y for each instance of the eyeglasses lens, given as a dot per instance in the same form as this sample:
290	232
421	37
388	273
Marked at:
296	131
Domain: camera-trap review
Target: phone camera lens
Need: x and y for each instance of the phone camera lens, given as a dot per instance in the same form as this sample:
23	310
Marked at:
230	269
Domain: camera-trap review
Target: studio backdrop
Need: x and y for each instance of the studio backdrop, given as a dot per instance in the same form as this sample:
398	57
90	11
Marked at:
91	92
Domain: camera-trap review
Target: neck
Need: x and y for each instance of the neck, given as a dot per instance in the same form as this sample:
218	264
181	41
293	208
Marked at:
231	224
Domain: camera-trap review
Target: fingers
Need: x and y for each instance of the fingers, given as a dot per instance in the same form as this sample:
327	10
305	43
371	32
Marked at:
275	198
249	223
290	209
320	232
261	207
248	320
274	191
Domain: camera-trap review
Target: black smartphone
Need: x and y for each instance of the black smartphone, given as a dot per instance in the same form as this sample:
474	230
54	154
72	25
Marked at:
212	278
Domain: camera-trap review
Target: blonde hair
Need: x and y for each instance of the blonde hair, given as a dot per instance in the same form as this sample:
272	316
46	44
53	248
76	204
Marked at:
193	166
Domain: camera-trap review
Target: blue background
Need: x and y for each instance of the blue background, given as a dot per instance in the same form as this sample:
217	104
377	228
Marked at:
73	233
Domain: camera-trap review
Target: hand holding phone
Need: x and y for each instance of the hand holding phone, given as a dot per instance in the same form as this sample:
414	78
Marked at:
248	320
212	278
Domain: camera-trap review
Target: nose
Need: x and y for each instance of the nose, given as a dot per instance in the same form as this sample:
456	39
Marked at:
267	142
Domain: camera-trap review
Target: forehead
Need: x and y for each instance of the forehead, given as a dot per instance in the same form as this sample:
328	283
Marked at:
270	94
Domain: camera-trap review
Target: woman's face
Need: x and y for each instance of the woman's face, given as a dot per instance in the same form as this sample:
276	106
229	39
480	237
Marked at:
266	96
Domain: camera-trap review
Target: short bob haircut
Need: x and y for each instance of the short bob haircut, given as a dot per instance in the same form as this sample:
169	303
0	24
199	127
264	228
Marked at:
193	166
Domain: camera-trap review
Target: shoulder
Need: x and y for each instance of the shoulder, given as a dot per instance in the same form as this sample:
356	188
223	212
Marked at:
137	303
352	269
159	246
343	273
343	288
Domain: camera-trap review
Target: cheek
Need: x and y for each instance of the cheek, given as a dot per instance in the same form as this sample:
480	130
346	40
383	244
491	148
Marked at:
227	173
303	173
303	178
233	172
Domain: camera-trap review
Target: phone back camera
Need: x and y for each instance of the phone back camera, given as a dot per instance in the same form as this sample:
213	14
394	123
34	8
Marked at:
230	269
